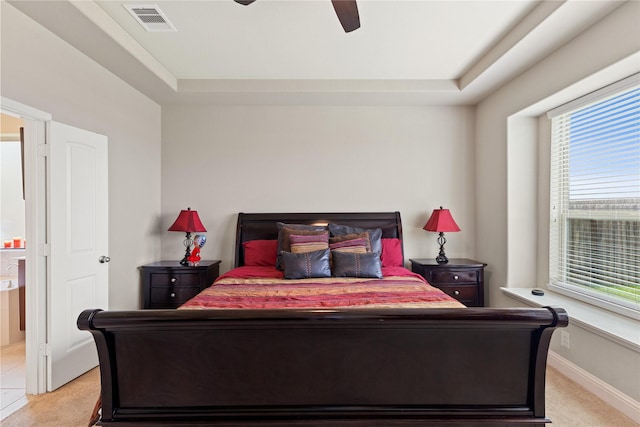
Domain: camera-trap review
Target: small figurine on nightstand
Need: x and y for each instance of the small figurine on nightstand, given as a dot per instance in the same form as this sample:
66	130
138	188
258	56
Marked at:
198	241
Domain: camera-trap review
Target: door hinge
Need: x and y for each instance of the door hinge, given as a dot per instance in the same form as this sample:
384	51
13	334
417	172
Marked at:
46	249
44	150
45	350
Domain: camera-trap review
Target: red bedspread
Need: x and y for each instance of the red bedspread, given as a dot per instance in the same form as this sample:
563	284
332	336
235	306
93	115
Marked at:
265	288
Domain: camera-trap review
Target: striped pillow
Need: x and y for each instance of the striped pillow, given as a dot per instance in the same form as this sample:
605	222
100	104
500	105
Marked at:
285	230
353	243
357	246
375	235
308	243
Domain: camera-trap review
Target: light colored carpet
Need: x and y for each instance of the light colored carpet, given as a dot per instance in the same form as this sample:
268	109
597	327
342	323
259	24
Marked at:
571	405
568	405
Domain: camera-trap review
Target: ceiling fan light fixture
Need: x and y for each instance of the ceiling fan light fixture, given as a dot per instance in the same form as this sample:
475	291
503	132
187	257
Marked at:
346	10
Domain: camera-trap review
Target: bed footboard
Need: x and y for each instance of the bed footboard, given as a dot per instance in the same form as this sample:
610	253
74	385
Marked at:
476	366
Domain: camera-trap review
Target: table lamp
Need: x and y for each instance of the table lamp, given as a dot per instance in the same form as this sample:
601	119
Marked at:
441	221
188	221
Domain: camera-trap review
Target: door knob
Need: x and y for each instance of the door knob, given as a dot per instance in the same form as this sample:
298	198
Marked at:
104	259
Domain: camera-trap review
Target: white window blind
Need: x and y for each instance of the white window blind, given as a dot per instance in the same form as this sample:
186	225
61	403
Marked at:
595	197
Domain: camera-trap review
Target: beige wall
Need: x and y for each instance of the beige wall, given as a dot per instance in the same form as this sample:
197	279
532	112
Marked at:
42	71
225	160
499	201
512	180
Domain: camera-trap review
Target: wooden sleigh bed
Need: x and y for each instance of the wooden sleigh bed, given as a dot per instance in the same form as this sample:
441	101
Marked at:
380	366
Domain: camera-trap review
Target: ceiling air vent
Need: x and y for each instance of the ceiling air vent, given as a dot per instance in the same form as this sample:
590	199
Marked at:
150	17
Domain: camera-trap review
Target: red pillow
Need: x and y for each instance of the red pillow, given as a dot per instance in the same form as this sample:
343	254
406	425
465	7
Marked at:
392	253
260	252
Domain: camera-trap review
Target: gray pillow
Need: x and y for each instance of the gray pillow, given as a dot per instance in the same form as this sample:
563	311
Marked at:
306	264
350	264
375	234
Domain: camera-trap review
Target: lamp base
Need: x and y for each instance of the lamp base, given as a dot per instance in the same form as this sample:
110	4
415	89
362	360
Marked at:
187	243
442	258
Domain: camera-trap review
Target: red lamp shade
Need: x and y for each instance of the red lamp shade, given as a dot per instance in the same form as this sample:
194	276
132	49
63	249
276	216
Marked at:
441	221
188	221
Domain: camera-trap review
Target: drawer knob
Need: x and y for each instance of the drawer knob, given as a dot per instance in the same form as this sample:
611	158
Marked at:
173	280
456	292
173	295
456	277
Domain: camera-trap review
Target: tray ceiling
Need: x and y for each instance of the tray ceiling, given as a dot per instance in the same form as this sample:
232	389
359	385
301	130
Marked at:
296	52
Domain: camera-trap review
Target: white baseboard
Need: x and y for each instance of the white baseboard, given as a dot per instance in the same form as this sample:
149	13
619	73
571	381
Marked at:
612	396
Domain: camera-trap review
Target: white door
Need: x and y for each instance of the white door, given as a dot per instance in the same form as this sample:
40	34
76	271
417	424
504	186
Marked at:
78	236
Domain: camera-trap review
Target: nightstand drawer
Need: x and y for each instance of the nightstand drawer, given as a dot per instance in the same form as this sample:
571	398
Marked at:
453	276
169	297
465	294
174	279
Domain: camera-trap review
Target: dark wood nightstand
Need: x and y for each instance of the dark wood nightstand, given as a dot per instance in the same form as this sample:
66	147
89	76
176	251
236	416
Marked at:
461	278
167	284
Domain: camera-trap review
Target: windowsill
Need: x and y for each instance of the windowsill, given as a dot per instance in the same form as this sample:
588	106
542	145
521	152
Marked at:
615	327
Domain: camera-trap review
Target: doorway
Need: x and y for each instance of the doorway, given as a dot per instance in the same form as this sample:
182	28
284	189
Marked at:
65	177
34	187
12	263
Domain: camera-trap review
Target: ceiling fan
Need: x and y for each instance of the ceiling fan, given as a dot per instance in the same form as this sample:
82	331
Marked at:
347	11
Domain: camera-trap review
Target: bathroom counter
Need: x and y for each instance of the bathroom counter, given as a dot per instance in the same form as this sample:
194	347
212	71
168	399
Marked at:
12	267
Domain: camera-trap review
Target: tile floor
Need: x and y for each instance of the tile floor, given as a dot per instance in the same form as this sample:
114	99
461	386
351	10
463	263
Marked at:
12	378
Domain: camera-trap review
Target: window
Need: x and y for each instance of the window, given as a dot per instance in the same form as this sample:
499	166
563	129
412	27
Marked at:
595	197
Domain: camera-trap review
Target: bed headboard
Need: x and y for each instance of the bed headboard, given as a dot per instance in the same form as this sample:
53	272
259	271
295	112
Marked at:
262	226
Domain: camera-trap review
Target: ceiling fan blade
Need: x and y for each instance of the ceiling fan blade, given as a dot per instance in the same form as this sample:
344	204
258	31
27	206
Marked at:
245	2
347	11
